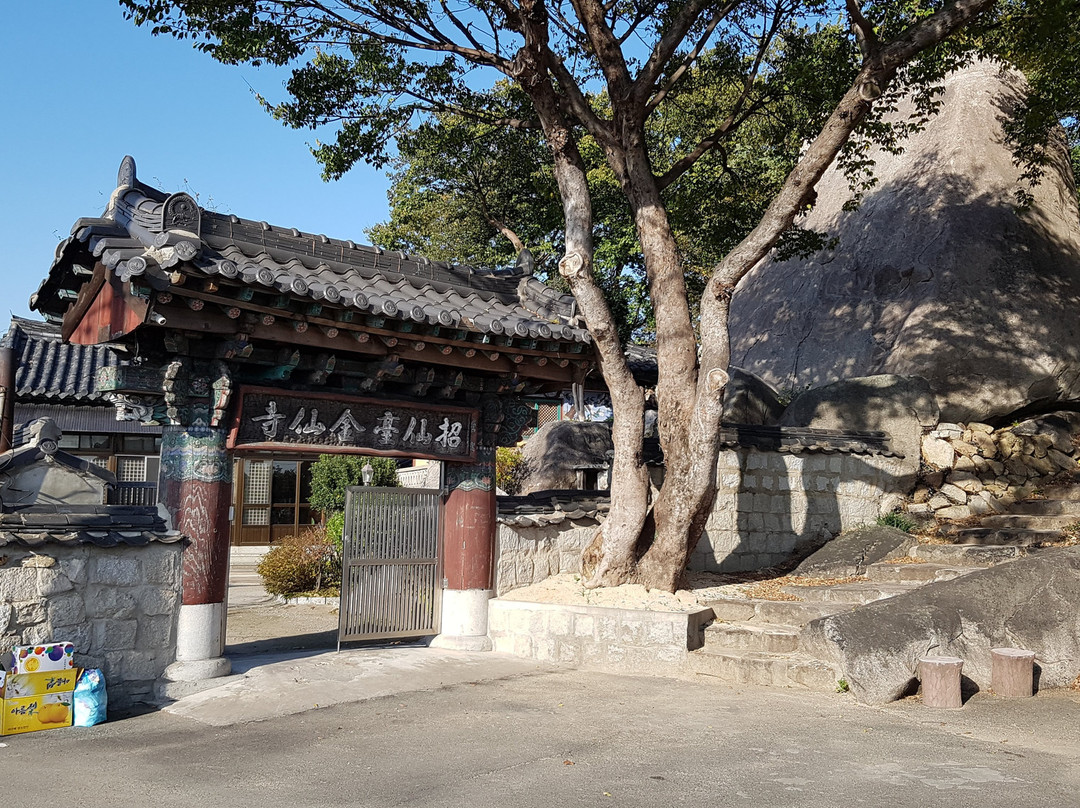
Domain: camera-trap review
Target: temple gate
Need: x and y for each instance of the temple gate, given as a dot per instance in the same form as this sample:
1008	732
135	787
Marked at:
245	338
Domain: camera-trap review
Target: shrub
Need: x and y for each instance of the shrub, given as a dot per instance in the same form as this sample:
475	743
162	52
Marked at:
297	564
896	520
510	469
335	530
332	474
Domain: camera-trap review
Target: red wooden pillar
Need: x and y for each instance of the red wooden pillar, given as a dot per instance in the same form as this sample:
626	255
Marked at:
468	552
195	486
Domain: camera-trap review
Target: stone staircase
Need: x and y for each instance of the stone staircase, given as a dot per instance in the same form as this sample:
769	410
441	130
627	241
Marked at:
757	641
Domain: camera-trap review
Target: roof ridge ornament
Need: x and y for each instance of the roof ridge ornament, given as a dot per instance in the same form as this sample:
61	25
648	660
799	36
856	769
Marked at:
181	212
125	177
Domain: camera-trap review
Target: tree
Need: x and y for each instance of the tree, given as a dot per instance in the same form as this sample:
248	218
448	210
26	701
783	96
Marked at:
332	474
595	72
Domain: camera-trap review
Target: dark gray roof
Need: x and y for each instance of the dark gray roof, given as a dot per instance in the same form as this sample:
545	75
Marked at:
101	525
49	369
552	507
146	232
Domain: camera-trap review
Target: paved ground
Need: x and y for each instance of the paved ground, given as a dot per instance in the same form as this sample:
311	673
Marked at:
412	726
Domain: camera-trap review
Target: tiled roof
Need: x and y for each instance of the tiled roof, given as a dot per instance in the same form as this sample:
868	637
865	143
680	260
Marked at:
100	525
552	507
146	232
48	369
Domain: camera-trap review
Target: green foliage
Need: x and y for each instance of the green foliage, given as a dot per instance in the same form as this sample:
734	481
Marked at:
842	686
332	474
510	469
295	565
896	520
335	530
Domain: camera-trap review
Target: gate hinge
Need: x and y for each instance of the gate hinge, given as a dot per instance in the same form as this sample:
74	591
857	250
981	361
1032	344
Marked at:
445	583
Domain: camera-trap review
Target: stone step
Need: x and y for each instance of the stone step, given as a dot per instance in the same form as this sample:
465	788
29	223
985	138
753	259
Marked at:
968	555
927	572
1063	492
760	668
770	637
784	612
1031	521
857	592
1005	536
1047	507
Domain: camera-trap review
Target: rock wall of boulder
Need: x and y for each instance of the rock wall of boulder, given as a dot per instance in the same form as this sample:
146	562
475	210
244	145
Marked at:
974	470
936	274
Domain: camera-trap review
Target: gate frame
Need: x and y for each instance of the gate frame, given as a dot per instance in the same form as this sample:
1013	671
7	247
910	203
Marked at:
346	563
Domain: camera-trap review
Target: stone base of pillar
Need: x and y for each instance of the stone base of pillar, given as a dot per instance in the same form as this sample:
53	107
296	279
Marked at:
200	641
464	620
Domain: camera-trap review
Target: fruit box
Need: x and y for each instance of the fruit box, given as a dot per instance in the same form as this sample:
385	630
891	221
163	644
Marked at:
53	656
37	701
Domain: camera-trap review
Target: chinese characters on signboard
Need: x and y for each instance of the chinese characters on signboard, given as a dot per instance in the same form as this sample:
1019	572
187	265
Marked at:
274	417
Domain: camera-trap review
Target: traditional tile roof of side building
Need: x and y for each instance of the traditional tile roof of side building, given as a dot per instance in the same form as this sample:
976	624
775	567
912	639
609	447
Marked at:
147	232
57	379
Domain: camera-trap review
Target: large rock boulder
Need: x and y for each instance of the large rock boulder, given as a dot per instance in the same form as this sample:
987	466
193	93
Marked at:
902	406
748	399
853	551
936	274
555	454
1029	603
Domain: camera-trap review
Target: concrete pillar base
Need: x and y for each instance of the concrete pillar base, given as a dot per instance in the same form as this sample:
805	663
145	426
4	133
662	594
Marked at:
464	620
200	641
460	642
196	670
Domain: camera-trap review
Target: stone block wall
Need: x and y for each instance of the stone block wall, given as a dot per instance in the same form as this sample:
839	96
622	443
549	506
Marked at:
596	637
118	605
770	504
529	554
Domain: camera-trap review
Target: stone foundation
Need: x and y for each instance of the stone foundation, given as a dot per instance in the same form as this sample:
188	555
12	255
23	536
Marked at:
118	605
596	637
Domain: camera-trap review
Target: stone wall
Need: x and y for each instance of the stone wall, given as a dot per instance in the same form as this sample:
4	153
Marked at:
973	469
529	554
118	605
771	504
596	637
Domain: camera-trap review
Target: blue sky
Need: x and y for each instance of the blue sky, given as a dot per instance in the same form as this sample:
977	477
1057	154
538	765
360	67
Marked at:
80	87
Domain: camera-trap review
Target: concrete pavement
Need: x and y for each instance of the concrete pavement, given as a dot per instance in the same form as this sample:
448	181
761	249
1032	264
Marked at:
407	725
570	738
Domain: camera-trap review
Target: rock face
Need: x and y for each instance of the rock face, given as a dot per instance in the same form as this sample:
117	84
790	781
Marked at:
935	275
1027	604
901	406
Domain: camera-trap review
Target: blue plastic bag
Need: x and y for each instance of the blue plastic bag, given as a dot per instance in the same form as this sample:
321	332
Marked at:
91	698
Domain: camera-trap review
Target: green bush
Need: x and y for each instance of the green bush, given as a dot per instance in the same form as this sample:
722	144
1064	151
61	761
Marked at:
335	530
510	469
300	564
332	474
896	520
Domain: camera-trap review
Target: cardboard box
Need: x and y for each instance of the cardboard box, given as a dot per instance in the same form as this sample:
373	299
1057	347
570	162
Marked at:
53	656
31	702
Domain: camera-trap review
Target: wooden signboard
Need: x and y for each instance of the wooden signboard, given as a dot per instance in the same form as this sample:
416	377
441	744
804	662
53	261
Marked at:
319	422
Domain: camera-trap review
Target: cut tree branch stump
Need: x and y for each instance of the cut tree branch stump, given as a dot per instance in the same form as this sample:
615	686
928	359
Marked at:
940	678
1012	672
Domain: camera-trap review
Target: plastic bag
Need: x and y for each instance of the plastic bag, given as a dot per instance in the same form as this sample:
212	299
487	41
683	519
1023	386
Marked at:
91	698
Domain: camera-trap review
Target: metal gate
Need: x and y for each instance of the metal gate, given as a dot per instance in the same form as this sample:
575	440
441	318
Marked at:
391	569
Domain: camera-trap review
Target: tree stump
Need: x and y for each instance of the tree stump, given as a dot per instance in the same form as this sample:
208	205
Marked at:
940	678
1011	672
